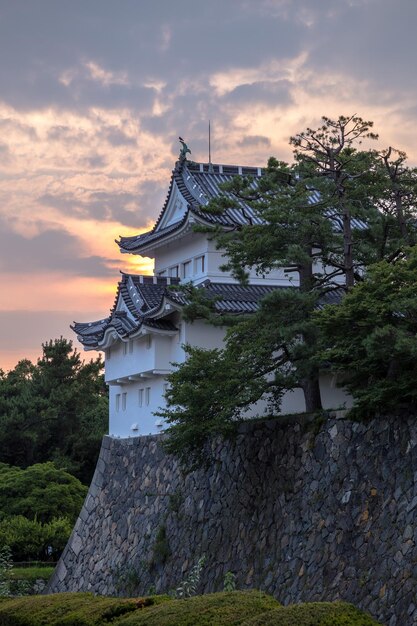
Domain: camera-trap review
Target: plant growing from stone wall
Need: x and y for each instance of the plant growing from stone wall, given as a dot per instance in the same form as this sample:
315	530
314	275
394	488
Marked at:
127	580
161	549
189	585
229	583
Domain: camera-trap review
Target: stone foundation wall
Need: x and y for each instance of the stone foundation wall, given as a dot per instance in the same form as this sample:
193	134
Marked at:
302	513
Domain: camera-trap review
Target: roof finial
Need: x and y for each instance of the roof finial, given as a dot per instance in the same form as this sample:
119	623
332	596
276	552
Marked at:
184	149
209	142
210	164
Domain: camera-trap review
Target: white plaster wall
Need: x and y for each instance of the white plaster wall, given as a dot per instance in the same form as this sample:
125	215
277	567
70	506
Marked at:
121	421
193	245
333	397
180	250
203	335
139	357
215	260
168	350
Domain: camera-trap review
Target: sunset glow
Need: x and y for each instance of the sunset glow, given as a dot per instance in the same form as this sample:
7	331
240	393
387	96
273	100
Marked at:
90	121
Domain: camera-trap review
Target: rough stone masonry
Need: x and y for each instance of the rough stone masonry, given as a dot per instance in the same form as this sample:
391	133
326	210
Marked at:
302	511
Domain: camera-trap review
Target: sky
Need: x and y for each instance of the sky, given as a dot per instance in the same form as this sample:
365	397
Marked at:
93	97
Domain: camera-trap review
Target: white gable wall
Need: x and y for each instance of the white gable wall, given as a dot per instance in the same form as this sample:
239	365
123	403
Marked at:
175	209
188	250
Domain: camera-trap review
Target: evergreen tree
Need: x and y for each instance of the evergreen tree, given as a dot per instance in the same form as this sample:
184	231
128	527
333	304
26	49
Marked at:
325	218
54	410
370	338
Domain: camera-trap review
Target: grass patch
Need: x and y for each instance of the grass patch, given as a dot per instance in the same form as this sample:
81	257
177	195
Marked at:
213	609
70	609
31	574
314	614
237	608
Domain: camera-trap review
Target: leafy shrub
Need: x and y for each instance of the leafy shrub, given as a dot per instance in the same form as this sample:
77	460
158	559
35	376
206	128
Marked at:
30	539
5	570
214	609
71	609
314	614
41	491
243	608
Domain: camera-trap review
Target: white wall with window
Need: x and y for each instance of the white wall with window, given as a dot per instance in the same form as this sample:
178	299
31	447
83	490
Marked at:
132	407
196	258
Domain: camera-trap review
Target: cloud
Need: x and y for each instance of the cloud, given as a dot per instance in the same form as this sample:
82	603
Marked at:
94	161
66	134
129	209
4	151
117	137
13	126
254	140
93	99
266	93
52	250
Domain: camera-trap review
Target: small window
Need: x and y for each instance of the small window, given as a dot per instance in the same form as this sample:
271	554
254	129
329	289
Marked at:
186	269
148	395
148	342
173	271
140	397
166	387
200	265
124	398
108	354
130	347
124	348
118	402
179	333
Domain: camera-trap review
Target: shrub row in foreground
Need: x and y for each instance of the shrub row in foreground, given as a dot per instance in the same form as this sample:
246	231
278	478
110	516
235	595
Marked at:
238	608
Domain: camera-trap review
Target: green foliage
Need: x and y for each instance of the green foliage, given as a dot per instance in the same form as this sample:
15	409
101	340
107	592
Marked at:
371	338
229	583
279	347
314	614
161	549
247	608
42	491
38	508
9	584
71	609
202	401
32	573
54	410
6	565
188	587
127	580
31	539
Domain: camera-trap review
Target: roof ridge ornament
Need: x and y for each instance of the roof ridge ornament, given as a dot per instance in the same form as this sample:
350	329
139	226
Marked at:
184	150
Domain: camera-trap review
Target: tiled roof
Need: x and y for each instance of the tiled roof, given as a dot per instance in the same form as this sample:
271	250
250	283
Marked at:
143	297
231	298
129	244
136	299
198	184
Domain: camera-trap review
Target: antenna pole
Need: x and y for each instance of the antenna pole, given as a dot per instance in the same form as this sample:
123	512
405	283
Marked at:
209	143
